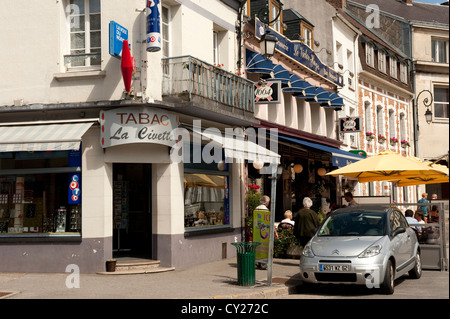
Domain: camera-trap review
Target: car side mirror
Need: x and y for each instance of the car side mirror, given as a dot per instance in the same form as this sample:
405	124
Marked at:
399	230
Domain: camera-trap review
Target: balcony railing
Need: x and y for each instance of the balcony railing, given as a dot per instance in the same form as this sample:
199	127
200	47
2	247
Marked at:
186	76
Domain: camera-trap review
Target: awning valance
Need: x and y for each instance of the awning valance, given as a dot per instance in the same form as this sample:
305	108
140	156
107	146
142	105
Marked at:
340	158
42	137
238	148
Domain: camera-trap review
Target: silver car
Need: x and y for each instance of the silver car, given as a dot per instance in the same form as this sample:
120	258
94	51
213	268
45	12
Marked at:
362	245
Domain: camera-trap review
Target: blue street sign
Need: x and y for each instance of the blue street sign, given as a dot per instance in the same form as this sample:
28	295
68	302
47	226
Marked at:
117	34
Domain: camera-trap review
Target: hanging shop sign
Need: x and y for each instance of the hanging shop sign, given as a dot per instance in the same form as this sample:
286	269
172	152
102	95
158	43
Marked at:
139	124
152	12
267	92
117	34
300	53
350	124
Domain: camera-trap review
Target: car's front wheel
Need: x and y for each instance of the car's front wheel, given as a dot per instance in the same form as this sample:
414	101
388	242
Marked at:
387	287
416	272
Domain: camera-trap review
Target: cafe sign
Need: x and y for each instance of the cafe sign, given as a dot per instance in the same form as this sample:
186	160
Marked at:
350	124
139	124
267	92
301	54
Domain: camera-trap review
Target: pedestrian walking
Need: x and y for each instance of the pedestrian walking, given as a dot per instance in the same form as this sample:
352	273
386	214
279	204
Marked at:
306	222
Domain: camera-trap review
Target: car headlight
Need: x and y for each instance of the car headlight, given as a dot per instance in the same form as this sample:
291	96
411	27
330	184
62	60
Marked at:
307	251
371	251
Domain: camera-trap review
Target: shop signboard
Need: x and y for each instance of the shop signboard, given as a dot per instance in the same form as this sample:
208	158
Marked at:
117	34
261	234
300	53
267	92
74	189
350	124
140	124
152	12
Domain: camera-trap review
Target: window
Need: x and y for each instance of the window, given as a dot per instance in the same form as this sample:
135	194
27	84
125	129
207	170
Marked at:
441	105
368	116
274	12
216	47
403	72
393	67
165	18
85	34
392	132
370	60
439	51
40	193
382	61
380	121
206	194
307	34
403	133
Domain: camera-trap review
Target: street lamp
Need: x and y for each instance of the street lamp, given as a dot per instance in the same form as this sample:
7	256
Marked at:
427	103
267	44
428	116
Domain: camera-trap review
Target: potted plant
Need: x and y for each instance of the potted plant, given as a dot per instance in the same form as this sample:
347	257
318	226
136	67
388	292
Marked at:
370	136
381	139
393	141
253	198
405	143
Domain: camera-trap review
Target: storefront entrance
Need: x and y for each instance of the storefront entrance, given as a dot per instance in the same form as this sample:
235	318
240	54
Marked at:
132	230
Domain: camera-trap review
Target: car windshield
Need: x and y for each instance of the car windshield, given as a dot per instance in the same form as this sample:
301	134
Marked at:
353	224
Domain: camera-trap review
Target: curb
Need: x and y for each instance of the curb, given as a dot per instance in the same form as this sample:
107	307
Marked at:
269	293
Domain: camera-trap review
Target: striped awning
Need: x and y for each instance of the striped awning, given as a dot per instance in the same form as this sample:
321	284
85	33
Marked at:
256	63
42	137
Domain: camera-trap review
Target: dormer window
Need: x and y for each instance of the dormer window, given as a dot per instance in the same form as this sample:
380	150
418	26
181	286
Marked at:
307	34
298	28
266	11
274	13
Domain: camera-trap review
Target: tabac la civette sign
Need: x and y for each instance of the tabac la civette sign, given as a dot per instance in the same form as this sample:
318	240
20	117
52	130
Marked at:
139	124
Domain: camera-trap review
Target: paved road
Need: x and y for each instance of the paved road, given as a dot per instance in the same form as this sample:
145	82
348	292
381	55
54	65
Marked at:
433	284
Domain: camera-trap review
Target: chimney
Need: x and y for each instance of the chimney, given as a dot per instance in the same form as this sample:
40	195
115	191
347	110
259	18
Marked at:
408	2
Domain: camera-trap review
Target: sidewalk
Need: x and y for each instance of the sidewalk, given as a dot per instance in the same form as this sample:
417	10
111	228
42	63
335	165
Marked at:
216	280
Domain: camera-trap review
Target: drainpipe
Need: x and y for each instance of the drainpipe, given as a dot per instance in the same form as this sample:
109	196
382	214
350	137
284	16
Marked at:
415	106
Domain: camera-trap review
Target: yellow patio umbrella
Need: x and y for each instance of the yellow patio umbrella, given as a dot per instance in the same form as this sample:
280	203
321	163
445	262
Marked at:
386	166
427	179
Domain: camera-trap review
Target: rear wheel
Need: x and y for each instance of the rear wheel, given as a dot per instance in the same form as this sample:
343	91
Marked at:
416	272
387	287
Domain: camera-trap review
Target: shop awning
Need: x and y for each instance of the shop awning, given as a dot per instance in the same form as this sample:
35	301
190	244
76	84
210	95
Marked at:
256	63
240	149
340	158
42	137
280	74
298	86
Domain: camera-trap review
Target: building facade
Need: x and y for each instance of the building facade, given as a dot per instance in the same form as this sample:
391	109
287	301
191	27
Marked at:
90	170
420	31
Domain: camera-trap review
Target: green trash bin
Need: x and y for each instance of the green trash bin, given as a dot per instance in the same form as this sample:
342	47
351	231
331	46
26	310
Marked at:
246	262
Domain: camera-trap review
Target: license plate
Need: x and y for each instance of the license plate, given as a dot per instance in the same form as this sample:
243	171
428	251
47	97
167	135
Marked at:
334	268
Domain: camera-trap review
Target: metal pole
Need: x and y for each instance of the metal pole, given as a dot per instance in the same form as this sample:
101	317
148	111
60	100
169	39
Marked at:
273	195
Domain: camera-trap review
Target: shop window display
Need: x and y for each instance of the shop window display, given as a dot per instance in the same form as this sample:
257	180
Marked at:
206	193
40	193
206	200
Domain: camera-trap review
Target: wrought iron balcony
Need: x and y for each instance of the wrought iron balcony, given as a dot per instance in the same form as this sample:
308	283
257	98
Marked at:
187	79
